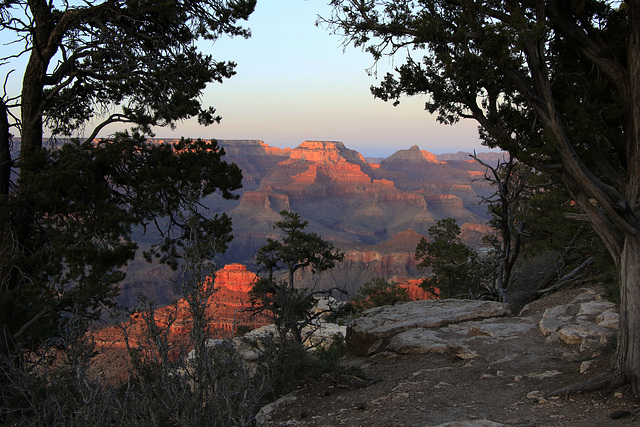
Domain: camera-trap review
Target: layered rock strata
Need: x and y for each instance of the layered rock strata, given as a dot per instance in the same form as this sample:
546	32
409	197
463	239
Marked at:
226	308
355	204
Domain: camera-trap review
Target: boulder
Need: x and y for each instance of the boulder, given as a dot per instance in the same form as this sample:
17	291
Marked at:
608	319
551	325
594	308
421	340
587	321
496	327
373	331
578	333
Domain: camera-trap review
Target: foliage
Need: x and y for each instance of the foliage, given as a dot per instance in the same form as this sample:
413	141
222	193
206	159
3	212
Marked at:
342	313
81	202
67	208
553	226
61	388
547	213
54	387
530	75
552	82
530	214
454	271
291	307
87	58
325	359
378	292
211	386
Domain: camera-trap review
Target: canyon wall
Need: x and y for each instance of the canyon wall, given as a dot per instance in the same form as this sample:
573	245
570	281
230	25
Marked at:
227	309
375	212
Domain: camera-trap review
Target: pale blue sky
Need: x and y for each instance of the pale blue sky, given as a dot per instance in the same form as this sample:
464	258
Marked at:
295	82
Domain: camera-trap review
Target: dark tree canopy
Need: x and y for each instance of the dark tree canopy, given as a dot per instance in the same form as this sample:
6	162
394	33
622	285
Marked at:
554	82
68	207
82	202
454	272
137	62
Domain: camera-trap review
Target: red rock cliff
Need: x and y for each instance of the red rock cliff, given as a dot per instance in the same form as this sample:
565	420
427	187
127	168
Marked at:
226	308
415	291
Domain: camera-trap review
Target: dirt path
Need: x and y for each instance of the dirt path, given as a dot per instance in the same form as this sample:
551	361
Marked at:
504	384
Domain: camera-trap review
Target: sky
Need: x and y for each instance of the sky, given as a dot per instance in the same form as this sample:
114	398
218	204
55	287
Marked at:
295	82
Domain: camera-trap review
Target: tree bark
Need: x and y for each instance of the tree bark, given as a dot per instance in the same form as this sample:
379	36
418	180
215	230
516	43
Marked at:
614	216
31	107
5	150
5	233
628	351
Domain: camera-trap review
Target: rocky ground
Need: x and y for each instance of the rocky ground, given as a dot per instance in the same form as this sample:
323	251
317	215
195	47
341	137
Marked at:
483	373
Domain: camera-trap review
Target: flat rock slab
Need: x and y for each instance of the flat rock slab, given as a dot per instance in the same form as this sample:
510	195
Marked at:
456	339
373	331
422	340
497	327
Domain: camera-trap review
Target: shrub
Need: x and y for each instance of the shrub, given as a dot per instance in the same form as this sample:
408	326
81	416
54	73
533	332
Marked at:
378	292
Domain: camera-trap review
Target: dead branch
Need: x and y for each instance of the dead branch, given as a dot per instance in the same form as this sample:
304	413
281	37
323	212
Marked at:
567	277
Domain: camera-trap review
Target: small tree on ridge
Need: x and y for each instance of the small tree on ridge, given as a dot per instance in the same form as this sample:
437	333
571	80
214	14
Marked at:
291	306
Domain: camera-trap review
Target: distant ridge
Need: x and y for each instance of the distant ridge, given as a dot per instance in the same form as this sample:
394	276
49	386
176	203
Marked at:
374	211
492	157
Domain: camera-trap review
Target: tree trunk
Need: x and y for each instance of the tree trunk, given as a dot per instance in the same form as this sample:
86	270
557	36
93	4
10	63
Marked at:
6	242
31	107
5	150
628	352
18	227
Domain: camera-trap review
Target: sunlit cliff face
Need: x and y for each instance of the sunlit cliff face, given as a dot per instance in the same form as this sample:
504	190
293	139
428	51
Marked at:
225	308
375	212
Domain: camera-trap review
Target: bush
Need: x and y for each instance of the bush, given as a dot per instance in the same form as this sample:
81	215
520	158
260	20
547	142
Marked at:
452	263
378	292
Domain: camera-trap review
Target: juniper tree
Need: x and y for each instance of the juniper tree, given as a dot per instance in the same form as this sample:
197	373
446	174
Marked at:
553	82
67	208
289	303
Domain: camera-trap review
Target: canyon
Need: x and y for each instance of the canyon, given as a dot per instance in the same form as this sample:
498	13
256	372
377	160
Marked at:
228	309
375	211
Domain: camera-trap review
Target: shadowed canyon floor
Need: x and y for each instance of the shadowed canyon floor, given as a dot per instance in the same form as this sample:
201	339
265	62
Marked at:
505	384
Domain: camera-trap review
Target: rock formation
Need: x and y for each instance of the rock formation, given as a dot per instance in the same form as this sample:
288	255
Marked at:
451	326
409	327
226	309
346	199
357	205
450	369
588	321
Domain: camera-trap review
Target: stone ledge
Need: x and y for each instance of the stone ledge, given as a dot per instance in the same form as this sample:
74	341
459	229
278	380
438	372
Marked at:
373	332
